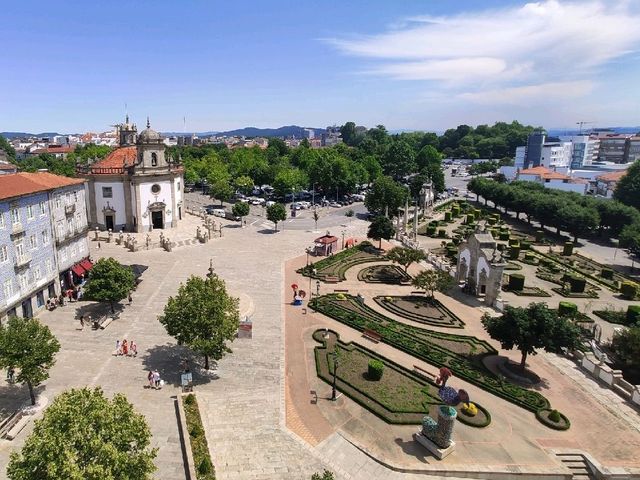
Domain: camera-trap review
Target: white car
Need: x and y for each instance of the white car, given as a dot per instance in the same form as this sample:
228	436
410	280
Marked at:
269	203
257	201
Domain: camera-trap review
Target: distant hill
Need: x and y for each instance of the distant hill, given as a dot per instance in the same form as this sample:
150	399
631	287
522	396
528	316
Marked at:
287	131
566	132
11	135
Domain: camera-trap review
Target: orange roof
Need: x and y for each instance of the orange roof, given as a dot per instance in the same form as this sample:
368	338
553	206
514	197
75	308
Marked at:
326	239
18	184
120	157
535	171
544	173
56	149
612	176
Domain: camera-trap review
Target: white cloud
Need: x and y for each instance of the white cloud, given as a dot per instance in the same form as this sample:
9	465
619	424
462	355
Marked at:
522	49
529	94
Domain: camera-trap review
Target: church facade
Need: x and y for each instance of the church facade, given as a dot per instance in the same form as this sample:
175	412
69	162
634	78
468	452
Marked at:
136	188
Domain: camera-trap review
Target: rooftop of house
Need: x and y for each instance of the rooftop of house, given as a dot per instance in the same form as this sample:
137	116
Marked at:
544	173
19	184
612	176
119	158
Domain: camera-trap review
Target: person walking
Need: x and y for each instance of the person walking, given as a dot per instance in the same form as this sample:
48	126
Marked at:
125	348
118	348
156	379
150	378
134	349
130	299
10	373
81	322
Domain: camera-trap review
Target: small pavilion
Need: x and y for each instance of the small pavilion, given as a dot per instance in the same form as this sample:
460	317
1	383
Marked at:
326	245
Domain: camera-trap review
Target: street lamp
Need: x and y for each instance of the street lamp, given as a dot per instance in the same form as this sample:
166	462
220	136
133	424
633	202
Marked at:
343	233
318	287
335	371
313	194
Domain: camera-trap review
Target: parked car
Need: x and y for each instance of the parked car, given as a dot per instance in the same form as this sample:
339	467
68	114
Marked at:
269	203
231	216
334	204
217	211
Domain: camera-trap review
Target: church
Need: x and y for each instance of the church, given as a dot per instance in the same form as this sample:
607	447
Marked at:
136	188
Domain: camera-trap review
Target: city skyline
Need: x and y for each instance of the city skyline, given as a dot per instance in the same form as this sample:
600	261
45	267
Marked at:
417	66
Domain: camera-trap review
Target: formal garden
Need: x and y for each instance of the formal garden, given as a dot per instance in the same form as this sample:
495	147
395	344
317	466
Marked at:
390	391
419	308
389	274
462	354
333	268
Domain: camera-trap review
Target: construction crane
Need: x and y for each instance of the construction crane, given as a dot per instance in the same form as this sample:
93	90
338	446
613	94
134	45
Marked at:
583	123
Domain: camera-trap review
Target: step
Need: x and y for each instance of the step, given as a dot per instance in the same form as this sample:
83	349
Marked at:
574	463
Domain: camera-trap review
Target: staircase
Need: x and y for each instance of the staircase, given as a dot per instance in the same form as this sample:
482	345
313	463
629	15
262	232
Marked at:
577	464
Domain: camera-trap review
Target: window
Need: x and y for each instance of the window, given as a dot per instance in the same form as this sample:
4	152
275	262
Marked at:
155	188
63	254
8	289
15	215
58	202
48	265
43	208
60	228
178	186
37	274
29	212
1	220
33	242
70	226
107	192
23	281
79	221
4	254
45	237
154	160
19	249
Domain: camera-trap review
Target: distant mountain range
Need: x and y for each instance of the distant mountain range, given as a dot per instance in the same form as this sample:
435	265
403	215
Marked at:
11	135
286	131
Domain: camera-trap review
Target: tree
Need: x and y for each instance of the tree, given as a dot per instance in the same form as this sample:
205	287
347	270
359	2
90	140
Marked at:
240	209
386	194
220	190
279	145
84	435
244	184
276	213
399	160
628	187
532	328
381	227
326	475
432	281
316	217
110	282
289	180
8	148
29	347
202	316
626	344
348	133
405	256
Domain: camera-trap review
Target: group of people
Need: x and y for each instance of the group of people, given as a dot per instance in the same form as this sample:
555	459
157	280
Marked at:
125	348
69	295
154	379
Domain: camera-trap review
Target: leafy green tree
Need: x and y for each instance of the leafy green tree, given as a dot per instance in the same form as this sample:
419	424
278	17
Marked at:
405	256
29	347
630	238
531	328
109	282
348	133
8	148
626	345
276	213
578	220
399	160
279	145
432	281
202	316
85	436
386	194
381	228
221	191
244	184
240	209
429	162
326	475
289	180
628	187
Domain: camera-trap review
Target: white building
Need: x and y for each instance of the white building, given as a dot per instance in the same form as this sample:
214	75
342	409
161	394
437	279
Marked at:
135	188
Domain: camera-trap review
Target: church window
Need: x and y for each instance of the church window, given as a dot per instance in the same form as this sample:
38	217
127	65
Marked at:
155	188
107	192
154	160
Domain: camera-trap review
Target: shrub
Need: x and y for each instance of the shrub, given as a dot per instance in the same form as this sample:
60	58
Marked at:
578	284
447	216
529	256
514	242
455	210
190	399
431	230
567	250
470	218
491	221
629	290
539	235
607	273
633	313
554	416
567	308
442	233
375	369
516	281
525	245
196	430
514	253
205	466
469	409
504	235
341	296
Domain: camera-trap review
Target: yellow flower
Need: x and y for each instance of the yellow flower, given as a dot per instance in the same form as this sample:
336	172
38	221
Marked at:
469	409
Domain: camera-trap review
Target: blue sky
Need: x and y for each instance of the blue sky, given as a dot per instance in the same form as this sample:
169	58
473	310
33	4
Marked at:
418	64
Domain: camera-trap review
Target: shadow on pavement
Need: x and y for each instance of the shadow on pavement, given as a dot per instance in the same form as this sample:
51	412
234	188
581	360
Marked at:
14	396
267	231
413	448
96	310
167	360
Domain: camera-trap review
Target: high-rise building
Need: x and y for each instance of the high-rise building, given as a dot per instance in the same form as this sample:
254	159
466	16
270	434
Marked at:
535	142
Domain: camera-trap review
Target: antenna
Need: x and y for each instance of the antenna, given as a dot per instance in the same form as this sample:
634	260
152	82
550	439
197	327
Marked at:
583	123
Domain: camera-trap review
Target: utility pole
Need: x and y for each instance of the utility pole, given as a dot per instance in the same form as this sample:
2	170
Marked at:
581	123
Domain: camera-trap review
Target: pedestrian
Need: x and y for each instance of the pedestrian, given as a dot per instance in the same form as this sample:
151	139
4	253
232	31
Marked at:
98	244
156	379
130	299
150	378
10	373
134	349
118	348
81	322
125	348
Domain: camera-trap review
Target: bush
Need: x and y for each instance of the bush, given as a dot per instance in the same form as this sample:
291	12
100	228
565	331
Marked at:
530	256
514	242
567	250
442	233
539	236
469	409
578	284
516	281
491	221
554	416
447	216
607	273
525	244
470	218
375	370
514	252
629	290
205	466
190	399
455	210
504	235
633	314
567	308
431	230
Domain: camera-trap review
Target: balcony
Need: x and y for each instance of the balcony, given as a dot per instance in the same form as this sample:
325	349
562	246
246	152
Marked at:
68	235
22	261
70	209
17	228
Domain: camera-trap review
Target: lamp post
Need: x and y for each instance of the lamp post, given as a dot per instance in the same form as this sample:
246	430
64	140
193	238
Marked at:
343	233
335	371
318	288
313	194
307	251
210	274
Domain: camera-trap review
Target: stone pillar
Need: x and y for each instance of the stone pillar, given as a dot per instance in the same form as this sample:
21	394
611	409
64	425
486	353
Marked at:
415	223
446	420
406	214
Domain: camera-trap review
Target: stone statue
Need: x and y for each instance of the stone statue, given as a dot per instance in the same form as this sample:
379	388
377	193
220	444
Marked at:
109	236
436	436
147	240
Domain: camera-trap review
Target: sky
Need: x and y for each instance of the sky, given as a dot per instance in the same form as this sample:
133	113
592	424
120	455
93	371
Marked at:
413	64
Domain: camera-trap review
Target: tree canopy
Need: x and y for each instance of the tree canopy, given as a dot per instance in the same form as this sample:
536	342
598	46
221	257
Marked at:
626	345
30	348
405	256
386	195
109	282
628	187
202	316
85	436
276	213
432	281
532	328
240	209
381	228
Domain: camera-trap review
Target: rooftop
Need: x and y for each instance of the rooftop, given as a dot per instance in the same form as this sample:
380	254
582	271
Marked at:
120	158
545	173
612	176
19	184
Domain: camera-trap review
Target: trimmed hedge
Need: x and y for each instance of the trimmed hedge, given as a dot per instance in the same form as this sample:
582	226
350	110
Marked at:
504	235
516	282
567	308
447	216
514	253
633	313
199	447
525	245
567	249
539	236
547	416
577	284
607	273
442	233
629	290
375	369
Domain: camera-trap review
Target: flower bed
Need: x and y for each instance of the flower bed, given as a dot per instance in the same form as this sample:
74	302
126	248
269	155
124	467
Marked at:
420	309
199	448
461	354
336	265
399	396
480	419
389	274
569	294
553	419
527	291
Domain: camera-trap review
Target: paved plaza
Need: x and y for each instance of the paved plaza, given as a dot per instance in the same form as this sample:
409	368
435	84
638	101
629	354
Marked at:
261	416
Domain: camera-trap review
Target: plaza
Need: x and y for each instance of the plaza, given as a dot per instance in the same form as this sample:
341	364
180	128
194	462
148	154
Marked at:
266	413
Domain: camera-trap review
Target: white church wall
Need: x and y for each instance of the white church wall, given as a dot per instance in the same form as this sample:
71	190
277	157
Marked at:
147	197
116	201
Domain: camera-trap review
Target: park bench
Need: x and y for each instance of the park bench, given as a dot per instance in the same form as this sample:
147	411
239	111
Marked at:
341	290
371	335
421	372
331	279
14	425
418	292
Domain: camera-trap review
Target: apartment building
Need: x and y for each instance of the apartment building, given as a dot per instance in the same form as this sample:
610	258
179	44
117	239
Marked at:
32	266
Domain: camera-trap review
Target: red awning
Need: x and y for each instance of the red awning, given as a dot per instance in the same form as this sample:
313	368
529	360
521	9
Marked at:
86	264
78	270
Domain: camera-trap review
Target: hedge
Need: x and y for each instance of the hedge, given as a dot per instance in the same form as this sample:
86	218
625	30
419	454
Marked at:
567	250
567	308
578	284
633	313
544	415
629	290
375	369
470	218
525	244
539	236
504	235
514	253
442	233
607	273
447	216
516	281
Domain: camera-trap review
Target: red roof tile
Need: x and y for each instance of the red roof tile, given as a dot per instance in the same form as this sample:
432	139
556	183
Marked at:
612	176
18	184
120	157
545	173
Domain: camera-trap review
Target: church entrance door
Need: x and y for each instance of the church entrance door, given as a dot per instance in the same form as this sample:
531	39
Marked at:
108	221
156	219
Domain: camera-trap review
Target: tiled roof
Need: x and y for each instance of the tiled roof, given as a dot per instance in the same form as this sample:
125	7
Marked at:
326	239
120	157
55	149
544	173
535	171
612	176
18	184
